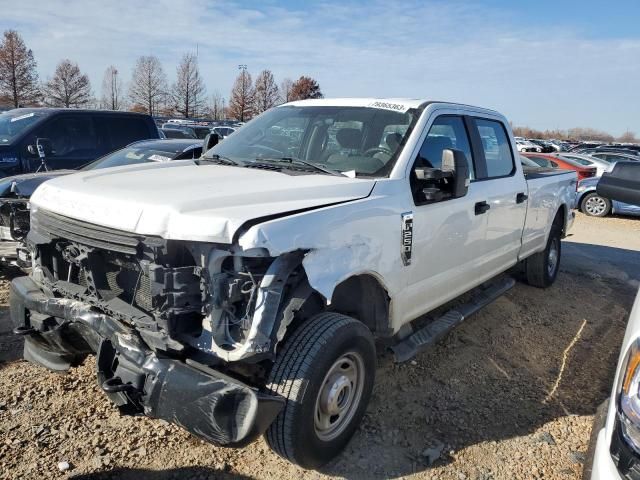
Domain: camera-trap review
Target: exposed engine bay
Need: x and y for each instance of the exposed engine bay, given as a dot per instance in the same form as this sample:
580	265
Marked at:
199	300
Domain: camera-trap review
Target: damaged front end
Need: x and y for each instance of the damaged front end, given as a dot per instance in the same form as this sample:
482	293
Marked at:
176	325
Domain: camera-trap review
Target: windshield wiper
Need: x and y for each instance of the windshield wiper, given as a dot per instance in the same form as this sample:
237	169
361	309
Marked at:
298	161
221	159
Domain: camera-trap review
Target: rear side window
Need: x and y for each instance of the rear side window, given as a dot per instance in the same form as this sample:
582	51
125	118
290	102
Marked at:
497	151
123	130
447	132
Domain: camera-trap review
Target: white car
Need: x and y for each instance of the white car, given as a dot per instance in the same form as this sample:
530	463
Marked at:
615	445
243	292
527	146
602	166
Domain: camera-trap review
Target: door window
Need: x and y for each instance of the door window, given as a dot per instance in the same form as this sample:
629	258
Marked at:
447	131
496	147
125	130
72	137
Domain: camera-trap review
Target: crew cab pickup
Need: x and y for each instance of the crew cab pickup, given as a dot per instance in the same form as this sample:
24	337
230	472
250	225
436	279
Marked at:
243	293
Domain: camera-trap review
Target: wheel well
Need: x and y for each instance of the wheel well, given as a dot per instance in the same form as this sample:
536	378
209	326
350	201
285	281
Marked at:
364	298
561	219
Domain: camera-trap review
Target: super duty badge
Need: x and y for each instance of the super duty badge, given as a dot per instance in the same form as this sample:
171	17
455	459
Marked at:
407	237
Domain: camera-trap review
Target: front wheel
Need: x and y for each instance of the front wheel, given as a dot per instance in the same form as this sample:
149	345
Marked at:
325	372
595	206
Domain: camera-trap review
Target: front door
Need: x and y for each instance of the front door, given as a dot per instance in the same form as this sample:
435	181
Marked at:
449	248
73	139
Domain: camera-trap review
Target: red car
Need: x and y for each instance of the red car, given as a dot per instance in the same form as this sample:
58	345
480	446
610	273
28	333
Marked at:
551	161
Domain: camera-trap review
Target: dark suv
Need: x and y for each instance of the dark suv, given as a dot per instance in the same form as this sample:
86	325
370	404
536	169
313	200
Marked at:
76	137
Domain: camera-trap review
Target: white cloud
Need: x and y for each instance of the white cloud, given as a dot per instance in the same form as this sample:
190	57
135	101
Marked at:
535	74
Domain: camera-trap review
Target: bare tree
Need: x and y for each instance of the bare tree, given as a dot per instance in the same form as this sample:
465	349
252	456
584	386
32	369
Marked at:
267	93
242	98
305	87
286	87
18	75
148	88
68	87
216	107
112	90
188	92
628	137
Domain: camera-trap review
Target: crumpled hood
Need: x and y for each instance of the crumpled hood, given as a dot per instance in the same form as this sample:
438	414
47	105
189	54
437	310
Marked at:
183	201
24	185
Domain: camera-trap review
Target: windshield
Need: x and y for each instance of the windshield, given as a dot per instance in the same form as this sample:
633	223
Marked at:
361	140
131	156
14	122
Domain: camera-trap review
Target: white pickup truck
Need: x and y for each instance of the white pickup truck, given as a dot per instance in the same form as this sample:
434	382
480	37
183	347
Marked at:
243	292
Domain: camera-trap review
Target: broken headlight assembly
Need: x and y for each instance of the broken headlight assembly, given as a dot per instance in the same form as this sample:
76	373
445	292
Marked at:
629	400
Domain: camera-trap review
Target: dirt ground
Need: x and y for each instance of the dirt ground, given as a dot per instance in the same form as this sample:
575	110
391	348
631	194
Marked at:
508	395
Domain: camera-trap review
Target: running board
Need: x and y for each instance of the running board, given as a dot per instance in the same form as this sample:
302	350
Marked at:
425	337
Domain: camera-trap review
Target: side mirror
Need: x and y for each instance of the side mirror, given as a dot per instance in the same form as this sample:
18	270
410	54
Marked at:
449	181
210	141
44	147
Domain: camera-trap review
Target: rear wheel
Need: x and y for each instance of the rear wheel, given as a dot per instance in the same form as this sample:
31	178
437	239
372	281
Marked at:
542	268
325	372
595	206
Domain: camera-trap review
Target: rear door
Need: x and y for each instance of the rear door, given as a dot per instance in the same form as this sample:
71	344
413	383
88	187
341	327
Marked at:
506	194
121	130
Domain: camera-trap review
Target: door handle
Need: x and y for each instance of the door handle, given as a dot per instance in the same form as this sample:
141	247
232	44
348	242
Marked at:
521	197
482	207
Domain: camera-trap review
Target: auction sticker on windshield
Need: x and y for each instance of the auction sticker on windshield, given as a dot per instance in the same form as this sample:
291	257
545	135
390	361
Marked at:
397	107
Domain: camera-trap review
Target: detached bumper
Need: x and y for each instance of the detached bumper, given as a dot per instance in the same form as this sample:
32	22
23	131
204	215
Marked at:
207	403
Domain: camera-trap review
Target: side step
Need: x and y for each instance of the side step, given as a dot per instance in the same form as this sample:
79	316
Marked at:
434	331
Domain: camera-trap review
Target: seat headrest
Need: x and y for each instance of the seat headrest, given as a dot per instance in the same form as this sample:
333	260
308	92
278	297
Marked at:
393	140
349	138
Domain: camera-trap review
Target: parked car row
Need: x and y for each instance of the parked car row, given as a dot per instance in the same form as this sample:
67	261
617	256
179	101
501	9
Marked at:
183	128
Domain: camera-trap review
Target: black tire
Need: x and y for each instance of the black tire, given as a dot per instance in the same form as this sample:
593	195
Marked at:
307	357
539	270
594	205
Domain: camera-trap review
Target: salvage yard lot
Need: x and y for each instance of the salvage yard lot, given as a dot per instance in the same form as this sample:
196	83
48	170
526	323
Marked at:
492	398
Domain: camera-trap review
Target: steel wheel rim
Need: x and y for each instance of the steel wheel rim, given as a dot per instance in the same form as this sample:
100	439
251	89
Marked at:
595	206
339	396
552	257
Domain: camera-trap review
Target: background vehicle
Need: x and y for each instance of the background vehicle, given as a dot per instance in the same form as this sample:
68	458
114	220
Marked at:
600	164
15	191
223	132
590	202
74	137
277	260
526	146
543	144
174	130
553	161
614	452
615	157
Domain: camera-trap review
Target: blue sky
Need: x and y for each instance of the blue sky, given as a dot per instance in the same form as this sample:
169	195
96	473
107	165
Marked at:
545	64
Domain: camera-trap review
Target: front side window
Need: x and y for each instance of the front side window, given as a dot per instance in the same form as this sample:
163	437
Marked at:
497	152
71	136
446	132
362	140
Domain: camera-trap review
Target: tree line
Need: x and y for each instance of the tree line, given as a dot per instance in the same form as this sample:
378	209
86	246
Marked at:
148	90
575	134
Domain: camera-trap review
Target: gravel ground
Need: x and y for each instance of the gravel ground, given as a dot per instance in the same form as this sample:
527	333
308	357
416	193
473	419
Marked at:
508	395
